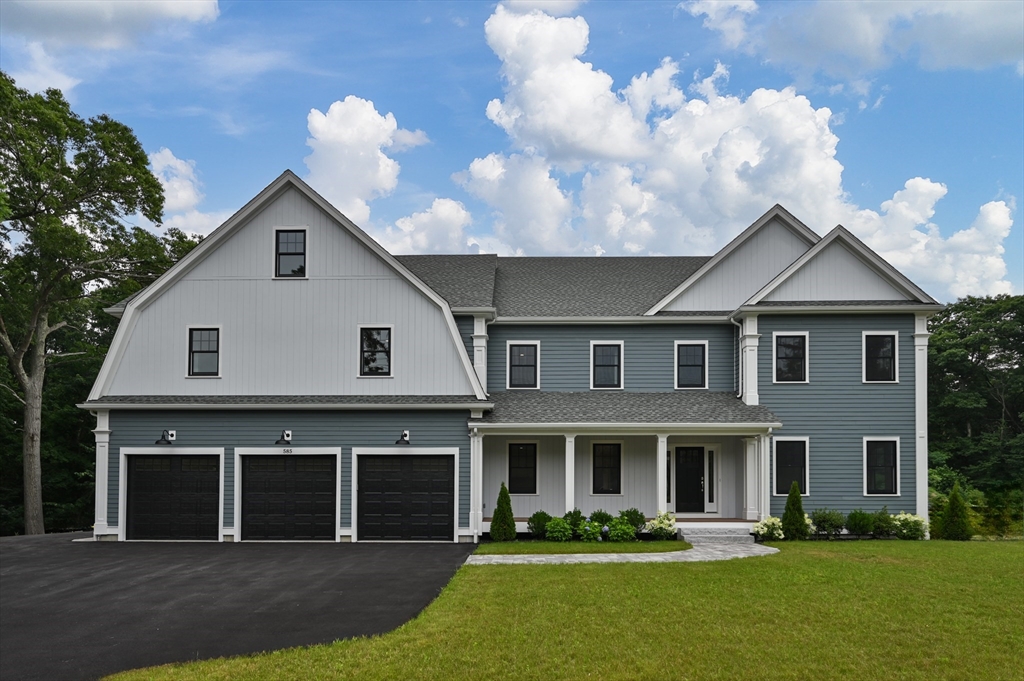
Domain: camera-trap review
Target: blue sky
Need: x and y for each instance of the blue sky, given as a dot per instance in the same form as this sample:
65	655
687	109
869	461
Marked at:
572	128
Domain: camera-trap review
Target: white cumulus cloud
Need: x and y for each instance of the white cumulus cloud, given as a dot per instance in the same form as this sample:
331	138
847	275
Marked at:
183	194
41	71
441	228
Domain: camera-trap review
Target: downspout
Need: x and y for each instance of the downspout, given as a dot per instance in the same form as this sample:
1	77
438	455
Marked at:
737	371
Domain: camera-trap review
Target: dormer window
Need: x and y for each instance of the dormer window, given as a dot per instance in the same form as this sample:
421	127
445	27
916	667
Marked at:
290	253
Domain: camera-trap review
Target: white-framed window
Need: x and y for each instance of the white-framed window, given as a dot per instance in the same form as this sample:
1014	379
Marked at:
791	463
523	468
691	365
204	350
290	246
606	468
606	360
882	466
880	357
522	365
375	350
790	357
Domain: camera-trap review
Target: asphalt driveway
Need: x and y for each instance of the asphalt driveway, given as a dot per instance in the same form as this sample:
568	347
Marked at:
80	610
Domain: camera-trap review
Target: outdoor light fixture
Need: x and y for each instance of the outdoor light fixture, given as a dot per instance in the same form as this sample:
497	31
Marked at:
166	438
286	438
404	440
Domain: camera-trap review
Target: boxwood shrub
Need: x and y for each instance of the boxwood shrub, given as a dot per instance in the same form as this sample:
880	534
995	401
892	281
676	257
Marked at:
634	517
538	523
601	517
884	525
828	523
860	522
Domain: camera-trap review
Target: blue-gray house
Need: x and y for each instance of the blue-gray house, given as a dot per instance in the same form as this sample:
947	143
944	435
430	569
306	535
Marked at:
290	379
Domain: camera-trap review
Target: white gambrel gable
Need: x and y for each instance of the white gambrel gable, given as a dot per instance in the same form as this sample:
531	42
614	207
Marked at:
840	267
287	337
743	266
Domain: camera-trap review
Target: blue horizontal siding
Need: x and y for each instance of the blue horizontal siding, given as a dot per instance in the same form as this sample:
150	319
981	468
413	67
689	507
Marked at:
465	325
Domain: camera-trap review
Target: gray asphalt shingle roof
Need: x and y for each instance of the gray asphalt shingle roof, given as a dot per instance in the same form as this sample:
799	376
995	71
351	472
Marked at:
462	280
623	407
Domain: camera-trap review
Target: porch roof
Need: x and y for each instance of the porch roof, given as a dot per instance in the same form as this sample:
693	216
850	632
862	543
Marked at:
606	407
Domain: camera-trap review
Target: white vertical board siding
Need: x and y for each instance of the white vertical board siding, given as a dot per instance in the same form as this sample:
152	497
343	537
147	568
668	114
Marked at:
639	479
551	475
835	274
291	336
744	271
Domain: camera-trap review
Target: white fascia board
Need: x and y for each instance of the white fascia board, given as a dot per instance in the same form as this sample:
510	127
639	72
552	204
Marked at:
211	242
486	312
776	211
682	319
874	261
670	428
748	310
319	406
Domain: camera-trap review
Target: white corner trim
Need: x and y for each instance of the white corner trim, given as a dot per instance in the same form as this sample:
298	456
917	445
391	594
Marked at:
675	364
536	465
622	363
508	363
807	356
864	355
359	349
880	438
921	336
807	465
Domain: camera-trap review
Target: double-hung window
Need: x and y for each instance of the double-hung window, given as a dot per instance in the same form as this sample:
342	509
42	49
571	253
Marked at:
881	356
522	468
691	364
881	466
523	364
375	351
204	352
607	465
791	464
790	358
290	253
606	364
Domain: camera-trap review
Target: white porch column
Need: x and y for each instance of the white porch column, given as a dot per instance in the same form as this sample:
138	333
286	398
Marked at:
662	469
921	336
102	433
751	472
476	477
765	508
748	359
480	348
570	473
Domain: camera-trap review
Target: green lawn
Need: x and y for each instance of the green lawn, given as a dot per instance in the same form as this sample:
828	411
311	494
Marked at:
817	610
523	547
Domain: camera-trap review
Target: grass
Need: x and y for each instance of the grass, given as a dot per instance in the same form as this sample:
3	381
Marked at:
525	547
817	610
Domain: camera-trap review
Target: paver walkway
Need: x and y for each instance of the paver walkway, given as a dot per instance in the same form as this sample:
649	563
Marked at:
701	553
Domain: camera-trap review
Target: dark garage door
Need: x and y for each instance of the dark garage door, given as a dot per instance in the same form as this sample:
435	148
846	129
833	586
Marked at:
173	497
406	497
288	497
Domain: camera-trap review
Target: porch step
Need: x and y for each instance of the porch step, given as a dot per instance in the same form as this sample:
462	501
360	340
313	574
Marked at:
713	531
717	538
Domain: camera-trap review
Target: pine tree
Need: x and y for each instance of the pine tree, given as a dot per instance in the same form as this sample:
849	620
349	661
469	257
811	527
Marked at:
956	525
503	524
794	525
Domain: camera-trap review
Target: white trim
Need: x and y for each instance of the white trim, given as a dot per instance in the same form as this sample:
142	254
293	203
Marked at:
864	355
536	465
102	477
675	364
622	468
287	451
391	349
570	472
189	328
305	406
880	438
784	216
618	319
273	251
508	363
807	356
839	308
622	363
921	336
401	450
597	428
807	465
162	450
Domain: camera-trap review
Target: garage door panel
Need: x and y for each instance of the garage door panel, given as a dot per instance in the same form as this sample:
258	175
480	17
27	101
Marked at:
289	497
173	497
409	497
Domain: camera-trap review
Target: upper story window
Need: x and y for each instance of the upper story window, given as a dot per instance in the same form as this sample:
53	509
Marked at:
375	351
790	358
204	352
691	364
290	253
522	468
606	364
791	464
881	466
607	468
881	356
523	364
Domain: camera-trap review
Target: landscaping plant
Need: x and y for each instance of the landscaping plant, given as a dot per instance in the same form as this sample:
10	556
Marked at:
769	529
503	524
558	529
955	523
635	518
828	523
860	522
910	526
600	517
884	525
589	530
663	526
574	518
620	529
537	524
794	520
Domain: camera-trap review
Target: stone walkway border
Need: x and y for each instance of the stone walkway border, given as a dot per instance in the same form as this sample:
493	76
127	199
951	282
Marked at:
701	553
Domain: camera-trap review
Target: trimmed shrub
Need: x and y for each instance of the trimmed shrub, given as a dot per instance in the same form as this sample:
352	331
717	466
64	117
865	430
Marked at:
885	526
575	519
860	522
620	529
538	523
769	529
663	526
955	523
794	520
827	522
558	529
589	530
503	524
910	526
635	518
600	517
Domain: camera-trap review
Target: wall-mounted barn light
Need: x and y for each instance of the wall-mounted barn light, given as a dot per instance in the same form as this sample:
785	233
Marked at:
286	438
167	437
404	440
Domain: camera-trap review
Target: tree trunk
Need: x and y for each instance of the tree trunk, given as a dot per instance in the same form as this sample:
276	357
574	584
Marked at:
30	451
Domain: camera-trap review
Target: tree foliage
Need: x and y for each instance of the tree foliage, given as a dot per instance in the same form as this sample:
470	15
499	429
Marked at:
503	523
794	525
956	525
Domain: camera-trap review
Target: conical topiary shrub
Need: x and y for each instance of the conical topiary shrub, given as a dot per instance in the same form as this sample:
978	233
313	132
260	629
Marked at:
955	523
503	524
794	525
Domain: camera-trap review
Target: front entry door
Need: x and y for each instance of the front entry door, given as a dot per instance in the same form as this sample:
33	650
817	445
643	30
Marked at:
689	479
